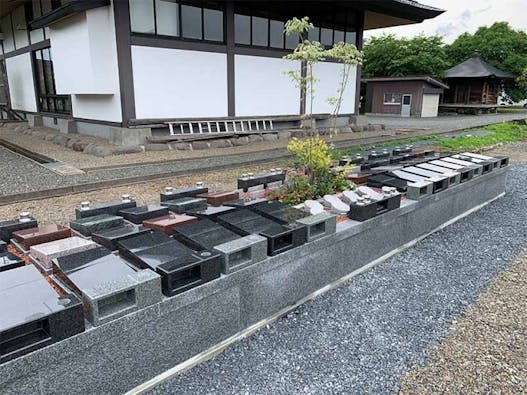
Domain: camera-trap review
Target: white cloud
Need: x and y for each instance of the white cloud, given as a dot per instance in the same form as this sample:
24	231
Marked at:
463	16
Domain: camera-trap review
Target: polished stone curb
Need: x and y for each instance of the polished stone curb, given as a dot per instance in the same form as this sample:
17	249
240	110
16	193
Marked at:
126	352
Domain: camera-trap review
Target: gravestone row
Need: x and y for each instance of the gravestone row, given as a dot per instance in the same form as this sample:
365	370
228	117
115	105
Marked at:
117	257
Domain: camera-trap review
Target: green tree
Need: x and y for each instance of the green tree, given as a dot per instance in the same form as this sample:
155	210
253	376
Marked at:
389	56
499	45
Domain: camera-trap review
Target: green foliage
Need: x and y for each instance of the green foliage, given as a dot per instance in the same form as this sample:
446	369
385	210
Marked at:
298	27
312	155
296	191
388	56
499	45
501	133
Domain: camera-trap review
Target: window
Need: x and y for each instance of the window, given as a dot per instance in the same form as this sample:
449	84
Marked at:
196	20
48	100
260	31
392	98
167	17
339	26
142	16
42	7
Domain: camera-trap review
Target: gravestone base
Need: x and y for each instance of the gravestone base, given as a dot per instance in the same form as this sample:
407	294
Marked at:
126	352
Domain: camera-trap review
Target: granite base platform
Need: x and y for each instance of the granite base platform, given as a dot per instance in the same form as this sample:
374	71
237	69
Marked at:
118	356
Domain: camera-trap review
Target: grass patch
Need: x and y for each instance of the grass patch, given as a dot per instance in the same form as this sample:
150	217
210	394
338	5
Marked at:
500	133
511	110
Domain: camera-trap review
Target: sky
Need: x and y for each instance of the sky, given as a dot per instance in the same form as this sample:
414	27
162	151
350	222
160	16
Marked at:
463	16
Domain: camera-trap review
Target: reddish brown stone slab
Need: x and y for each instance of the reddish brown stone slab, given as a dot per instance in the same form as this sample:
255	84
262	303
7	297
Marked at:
40	235
218	198
167	223
358	178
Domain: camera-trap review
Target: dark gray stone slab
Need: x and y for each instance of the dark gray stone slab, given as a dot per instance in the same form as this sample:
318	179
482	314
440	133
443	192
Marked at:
109	208
183	205
204	234
3	246
32	315
280	237
180	267
87	226
9	261
211	211
137	215
110	237
109	287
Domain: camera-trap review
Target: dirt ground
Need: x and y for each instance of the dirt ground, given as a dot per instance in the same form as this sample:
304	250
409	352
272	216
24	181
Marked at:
486	350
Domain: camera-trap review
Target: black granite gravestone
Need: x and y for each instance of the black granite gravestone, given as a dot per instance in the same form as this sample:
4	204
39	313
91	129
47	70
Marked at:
182	205
279	212
137	215
108	208
211	211
280	237
204	235
243	203
172	193
8	227
109	237
180	267
32	314
247	181
363	212
9	261
3	246
97	223
382	179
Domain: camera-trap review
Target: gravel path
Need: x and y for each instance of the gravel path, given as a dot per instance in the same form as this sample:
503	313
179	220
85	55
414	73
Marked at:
363	337
26	176
446	123
486	350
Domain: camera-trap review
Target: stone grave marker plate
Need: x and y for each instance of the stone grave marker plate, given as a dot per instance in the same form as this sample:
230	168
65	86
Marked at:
108	208
46	252
109	237
32	314
167	223
182	205
9	261
97	223
8	227
137	215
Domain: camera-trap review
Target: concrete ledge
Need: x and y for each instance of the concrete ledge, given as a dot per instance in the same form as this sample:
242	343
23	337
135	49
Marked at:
119	355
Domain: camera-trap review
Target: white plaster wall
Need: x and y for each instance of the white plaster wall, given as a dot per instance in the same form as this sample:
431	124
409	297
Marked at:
20	79
262	88
329	77
430	105
84	54
173	83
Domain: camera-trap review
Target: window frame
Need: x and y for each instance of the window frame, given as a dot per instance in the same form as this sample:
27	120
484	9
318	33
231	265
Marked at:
48	96
392	103
202	5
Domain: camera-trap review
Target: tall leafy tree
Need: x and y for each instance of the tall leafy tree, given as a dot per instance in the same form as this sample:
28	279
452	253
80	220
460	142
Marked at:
499	45
389	56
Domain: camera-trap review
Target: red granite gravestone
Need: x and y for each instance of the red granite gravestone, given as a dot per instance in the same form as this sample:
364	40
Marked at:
218	198
167	223
40	235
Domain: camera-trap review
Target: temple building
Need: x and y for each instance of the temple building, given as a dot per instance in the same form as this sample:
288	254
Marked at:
121	68
475	86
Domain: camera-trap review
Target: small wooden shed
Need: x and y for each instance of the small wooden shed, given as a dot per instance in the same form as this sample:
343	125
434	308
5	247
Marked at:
416	96
474	83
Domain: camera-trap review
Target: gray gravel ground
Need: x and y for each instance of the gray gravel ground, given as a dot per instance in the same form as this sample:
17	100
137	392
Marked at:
23	175
362	337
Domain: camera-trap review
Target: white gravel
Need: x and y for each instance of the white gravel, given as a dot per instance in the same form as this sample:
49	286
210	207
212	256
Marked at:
363	337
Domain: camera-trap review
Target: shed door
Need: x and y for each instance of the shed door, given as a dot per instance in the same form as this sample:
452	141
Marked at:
406	105
430	105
